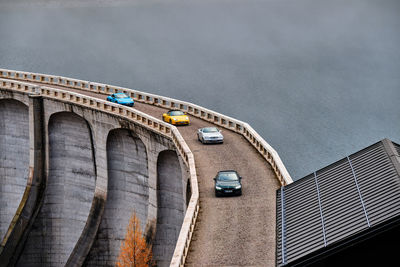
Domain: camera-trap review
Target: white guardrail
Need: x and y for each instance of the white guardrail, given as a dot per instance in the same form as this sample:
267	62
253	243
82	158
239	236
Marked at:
269	154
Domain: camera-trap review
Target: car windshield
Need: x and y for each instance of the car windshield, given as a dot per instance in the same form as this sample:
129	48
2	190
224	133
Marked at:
176	113
121	96
210	130
227	176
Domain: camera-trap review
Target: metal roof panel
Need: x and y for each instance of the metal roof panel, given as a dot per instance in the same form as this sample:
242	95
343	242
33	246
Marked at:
338	202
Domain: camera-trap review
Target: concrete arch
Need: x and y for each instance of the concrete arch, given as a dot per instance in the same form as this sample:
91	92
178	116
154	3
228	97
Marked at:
12	95
128	191
171	204
14	158
68	194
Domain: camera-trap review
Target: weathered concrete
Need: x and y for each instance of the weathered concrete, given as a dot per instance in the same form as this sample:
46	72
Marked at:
63	226
243	150
50	242
68	195
14	159
98	140
209	237
128	192
33	195
171	207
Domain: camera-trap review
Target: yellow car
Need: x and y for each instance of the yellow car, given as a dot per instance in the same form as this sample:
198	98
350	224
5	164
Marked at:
176	117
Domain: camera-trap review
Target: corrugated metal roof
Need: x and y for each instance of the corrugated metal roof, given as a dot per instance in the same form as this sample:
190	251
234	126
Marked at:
341	200
397	148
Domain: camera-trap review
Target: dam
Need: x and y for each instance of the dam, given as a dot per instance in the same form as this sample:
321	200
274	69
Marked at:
74	167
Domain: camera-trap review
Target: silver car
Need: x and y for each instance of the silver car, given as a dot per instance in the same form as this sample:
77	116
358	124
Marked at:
210	135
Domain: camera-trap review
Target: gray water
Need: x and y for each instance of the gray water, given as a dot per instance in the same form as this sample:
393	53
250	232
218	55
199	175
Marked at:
318	80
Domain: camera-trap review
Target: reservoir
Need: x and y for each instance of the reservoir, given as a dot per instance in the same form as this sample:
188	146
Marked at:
318	80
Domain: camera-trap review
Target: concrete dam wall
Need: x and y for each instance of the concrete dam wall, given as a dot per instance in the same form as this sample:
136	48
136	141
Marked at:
68	195
14	155
169	200
70	178
128	183
87	100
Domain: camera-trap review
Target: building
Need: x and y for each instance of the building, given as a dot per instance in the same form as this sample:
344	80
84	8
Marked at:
346	214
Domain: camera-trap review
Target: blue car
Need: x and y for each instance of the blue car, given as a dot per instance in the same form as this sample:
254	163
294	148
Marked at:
121	98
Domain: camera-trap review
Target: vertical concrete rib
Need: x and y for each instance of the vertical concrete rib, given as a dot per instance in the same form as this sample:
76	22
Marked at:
127	192
68	194
14	159
170	206
29	206
88	236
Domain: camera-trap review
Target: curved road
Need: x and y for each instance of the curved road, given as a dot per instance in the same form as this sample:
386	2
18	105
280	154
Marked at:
230	231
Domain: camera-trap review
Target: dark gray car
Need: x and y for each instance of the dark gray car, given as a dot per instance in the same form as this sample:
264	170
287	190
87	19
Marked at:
228	182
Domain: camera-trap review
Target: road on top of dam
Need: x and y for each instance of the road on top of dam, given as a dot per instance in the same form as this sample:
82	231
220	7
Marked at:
230	231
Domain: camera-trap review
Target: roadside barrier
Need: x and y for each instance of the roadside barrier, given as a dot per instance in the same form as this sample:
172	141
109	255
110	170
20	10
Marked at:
268	153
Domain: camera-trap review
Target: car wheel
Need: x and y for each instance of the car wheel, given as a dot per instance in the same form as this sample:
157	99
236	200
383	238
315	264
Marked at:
170	121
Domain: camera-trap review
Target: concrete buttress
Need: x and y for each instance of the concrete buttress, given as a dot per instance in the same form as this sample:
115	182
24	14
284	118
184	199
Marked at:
33	195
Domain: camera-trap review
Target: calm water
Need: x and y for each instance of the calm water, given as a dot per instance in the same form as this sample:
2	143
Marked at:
317	79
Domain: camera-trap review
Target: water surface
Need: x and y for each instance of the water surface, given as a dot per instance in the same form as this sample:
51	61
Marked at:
317	79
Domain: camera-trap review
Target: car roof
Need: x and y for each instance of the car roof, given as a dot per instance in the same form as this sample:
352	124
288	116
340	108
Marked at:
119	94
228	171
209	127
174	110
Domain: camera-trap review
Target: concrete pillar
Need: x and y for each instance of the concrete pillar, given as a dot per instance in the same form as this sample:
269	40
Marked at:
127	192
89	233
171	204
33	195
68	196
